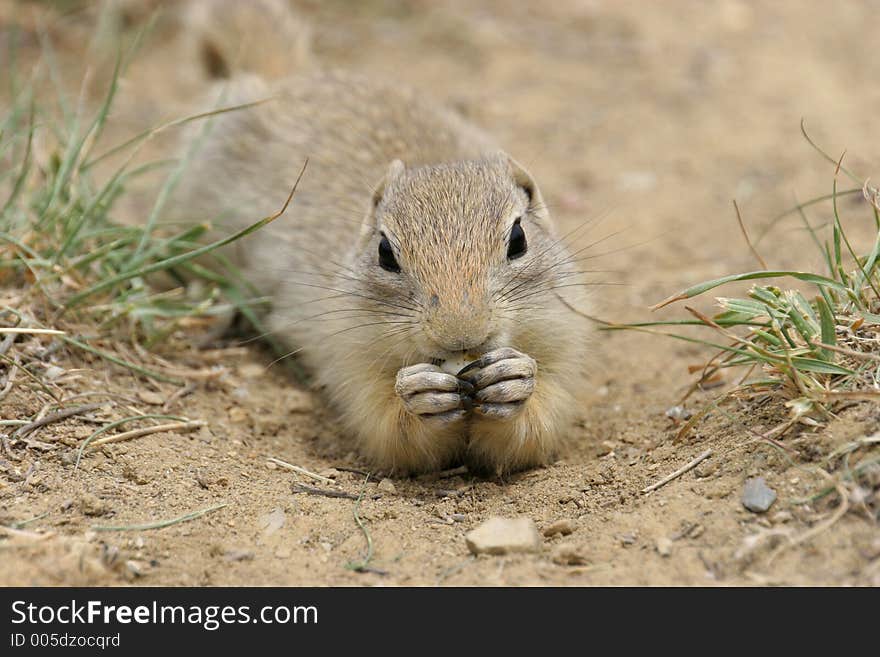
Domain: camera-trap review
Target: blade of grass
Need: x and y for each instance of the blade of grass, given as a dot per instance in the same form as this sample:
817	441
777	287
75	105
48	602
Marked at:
158	376
160	524
704	287
183	257
113	425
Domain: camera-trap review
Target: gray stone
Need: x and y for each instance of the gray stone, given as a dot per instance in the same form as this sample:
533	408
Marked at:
757	496
504	536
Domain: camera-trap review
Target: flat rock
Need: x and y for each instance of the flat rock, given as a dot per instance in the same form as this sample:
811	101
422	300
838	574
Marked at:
504	536
757	496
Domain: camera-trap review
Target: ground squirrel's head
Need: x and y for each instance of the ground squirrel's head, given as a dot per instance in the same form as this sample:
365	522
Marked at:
453	254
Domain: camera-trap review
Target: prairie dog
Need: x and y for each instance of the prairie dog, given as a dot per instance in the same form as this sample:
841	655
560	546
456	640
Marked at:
416	269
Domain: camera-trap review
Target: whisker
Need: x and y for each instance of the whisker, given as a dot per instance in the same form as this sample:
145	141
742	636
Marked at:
620	250
355	294
553	265
557	244
541	290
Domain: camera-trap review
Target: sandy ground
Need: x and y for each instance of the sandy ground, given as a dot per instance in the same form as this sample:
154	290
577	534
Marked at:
648	116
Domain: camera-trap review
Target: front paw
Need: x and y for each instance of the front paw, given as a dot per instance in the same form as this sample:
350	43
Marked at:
432	394
503	381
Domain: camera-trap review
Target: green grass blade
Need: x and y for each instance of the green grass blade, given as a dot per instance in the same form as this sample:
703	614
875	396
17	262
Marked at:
696	290
827	323
820	366
183	257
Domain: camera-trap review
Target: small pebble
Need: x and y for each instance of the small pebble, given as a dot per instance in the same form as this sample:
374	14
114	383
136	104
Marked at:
53	372
568	554
273	521
564	527
504	536
781	517
706	469
252	370
664	546
678	414
150	397
757	496
387	486
92	505
137	568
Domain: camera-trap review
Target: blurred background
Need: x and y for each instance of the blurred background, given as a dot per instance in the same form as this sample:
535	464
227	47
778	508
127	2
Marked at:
649	116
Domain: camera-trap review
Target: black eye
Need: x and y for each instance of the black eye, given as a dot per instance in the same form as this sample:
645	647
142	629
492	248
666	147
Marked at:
517	246
386	256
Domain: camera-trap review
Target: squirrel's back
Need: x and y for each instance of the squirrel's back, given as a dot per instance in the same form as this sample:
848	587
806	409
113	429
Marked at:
348	127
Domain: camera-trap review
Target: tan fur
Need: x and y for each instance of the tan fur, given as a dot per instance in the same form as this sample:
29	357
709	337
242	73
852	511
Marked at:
447	207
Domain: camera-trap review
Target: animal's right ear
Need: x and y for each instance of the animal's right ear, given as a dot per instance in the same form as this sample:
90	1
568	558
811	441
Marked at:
371	222
394	171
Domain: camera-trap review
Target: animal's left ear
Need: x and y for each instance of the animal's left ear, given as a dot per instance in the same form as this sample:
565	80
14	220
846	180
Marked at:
527	183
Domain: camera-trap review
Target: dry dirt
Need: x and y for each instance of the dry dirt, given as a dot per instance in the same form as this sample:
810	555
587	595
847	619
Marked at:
650	115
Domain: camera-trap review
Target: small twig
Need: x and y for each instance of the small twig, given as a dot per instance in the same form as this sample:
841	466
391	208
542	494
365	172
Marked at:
843	350
10	379
302	471
444	474
137	433
450	492
55	417
157	525
311	490
4	445
7	343
26	533
362	473
54	395
199	375
839	512
28	331
688	466
178	394
112	425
